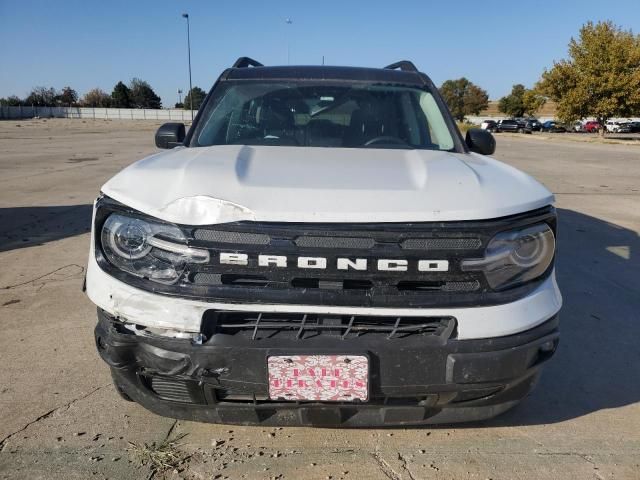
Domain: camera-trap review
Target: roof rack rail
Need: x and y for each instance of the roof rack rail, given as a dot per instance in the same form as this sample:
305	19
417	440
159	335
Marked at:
244	62
404	65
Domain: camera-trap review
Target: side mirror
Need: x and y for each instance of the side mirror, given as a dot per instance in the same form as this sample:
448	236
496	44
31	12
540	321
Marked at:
170	135
480	141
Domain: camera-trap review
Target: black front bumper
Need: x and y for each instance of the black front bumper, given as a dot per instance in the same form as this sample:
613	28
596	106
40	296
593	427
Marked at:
416	380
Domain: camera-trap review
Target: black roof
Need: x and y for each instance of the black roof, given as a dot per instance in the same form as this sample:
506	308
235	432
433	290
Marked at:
316	72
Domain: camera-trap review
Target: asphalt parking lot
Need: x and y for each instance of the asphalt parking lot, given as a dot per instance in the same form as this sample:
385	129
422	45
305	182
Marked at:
61	418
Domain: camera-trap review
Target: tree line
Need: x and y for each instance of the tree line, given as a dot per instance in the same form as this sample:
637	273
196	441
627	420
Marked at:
463	98
600	79
138	94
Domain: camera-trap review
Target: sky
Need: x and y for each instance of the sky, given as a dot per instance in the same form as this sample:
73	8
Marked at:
90	43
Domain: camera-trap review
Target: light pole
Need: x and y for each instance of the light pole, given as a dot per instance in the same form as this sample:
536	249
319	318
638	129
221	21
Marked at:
288	21
179	96
186	15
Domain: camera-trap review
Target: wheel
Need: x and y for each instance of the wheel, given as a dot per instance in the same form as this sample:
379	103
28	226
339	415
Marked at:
521	130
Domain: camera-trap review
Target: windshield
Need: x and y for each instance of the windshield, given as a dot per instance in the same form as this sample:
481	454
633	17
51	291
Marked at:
321	114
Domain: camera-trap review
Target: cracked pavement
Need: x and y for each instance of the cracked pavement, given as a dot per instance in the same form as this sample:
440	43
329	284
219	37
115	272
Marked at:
60	417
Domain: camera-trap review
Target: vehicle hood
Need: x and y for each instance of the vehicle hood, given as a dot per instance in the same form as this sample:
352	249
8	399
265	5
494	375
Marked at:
295	184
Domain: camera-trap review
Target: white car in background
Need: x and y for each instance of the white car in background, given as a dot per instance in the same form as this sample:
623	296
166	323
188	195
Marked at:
616	126
488	124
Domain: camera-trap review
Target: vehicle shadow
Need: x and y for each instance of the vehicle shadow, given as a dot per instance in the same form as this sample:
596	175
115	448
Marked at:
596	365
22	227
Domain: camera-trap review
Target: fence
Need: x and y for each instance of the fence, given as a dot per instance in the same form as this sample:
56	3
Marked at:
177	114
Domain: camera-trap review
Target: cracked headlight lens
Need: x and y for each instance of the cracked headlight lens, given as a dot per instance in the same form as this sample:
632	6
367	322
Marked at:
515	257
148	249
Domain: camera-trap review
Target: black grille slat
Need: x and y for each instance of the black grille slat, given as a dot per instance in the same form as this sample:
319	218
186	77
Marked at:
241	238
461	286
335	242
441	244
331	284
262	325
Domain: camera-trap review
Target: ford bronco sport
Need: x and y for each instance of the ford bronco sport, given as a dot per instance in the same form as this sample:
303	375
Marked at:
324	248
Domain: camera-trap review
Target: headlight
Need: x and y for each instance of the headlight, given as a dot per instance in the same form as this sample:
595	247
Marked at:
148	249
516	256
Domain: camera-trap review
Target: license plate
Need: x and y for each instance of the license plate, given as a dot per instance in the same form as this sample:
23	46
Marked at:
327	378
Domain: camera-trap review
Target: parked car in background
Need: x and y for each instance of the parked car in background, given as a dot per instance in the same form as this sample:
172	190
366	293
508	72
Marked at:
615	126
578	127
510	126
591	126
635	127
625	127
553	127
488	124
533	124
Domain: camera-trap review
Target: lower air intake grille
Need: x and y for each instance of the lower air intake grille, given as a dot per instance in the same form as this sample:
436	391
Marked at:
260	325
172	390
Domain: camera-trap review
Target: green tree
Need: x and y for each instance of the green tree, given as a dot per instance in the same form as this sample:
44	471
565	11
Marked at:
513	104
463	98
11	101
121	96
42	97
198	97
143	96
96	98
601	77
532	101
67	97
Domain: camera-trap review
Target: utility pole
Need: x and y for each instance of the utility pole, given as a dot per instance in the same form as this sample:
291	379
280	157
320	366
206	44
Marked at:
186	15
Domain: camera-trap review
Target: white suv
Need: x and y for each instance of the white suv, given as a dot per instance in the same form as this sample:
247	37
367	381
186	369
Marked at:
618	127
324	248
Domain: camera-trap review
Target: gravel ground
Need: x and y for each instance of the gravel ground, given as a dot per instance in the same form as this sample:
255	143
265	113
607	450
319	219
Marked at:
61	418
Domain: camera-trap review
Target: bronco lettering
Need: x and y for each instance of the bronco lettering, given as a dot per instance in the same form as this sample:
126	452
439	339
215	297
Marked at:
341	263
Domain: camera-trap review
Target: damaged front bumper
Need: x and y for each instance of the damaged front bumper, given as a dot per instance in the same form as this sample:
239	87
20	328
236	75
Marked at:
174	313
412	381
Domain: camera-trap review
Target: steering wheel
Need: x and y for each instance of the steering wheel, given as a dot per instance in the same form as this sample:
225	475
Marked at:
385	139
